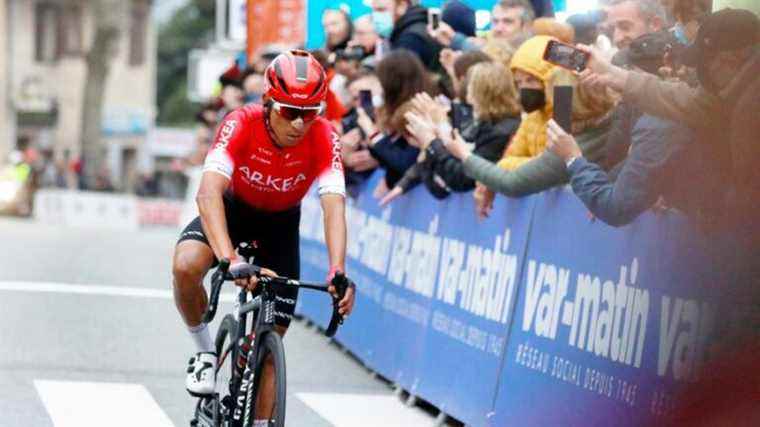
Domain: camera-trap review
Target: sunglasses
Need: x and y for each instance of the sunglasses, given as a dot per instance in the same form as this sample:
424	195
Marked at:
290	112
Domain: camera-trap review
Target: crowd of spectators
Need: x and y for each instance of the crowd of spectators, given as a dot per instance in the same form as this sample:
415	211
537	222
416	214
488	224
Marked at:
661	116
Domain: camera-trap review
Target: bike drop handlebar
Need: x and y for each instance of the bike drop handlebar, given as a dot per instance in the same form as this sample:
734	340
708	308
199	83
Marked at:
222	274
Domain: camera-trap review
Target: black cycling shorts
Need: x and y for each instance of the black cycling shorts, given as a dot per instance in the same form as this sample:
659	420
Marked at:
275	238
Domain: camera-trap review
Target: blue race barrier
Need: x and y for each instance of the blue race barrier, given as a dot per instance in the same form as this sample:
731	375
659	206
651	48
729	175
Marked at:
537	316
607	318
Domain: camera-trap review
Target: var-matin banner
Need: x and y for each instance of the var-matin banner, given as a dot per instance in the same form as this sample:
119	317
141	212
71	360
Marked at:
539	315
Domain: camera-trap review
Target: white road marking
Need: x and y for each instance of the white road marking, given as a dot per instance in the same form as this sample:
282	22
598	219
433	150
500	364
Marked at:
366	410
119	291
85	404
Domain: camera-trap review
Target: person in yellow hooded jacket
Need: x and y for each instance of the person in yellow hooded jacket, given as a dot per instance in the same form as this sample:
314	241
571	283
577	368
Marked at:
532	75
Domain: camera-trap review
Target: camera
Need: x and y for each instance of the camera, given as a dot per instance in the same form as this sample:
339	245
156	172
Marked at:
353	53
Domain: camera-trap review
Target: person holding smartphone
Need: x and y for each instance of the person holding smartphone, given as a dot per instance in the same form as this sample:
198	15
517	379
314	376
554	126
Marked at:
410	22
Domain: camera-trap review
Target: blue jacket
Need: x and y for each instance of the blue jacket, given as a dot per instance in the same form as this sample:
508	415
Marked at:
395	155
655	145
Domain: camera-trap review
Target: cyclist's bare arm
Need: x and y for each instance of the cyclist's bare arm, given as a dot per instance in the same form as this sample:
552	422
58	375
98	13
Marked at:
211	208
334	209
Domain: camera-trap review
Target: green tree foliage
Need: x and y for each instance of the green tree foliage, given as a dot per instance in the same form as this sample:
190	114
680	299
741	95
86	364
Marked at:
191	27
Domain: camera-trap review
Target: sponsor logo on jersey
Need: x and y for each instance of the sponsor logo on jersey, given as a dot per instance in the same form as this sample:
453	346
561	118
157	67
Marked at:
270	182
226	133
337	163
264	151
261	159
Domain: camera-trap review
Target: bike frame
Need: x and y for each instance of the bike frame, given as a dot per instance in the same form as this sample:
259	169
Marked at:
264	324
264	304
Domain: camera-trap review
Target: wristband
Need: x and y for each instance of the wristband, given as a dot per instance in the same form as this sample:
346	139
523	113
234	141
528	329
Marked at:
330	274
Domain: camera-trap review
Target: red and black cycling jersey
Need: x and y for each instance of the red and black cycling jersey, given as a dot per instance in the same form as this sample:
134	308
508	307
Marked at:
272	178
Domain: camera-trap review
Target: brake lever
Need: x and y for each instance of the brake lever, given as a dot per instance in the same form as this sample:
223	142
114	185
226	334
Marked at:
340	281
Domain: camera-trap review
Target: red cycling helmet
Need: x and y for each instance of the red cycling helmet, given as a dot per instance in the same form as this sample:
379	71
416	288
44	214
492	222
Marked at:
296	78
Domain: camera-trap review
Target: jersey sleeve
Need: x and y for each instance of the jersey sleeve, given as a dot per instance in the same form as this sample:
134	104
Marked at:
330	174
227	144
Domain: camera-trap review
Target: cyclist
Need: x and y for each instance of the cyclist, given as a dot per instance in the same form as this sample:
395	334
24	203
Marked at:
264	159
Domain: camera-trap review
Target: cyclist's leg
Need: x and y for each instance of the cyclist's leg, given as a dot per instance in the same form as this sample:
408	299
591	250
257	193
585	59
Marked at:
192	259
279	252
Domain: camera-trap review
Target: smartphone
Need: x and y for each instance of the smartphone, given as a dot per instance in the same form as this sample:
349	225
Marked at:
461	114
434	17
563	107
365	101
566	56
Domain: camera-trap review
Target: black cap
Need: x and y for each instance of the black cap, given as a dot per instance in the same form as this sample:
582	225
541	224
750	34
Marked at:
647	52
725	30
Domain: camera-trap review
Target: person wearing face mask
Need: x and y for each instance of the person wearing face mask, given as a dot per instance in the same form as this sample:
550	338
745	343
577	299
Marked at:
591	120
382	17
531	74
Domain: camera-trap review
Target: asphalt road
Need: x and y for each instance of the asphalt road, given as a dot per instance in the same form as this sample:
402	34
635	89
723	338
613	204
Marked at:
89	335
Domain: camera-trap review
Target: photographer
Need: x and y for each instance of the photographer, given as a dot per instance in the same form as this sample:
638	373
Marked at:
722	110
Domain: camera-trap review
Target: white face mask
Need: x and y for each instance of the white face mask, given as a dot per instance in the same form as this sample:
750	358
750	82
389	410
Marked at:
383	22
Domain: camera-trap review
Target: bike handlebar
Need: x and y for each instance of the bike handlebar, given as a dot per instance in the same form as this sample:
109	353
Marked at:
223	273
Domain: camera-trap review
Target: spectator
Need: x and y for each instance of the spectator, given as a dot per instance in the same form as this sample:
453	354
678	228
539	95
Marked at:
460	17
590	123
722	108
338	29
232	92
459	69
410	33
382	17
365	35
688	14
253	86
630	19
543	8
654	165
511	20
496	111
401	75
456	30
358	161
531	74
500	51
586	26
334	108
265	56
208	114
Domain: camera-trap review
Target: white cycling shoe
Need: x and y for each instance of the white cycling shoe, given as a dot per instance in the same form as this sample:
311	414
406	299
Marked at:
201	378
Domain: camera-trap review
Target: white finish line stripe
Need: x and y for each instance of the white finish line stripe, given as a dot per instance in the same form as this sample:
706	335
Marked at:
84	404
366	410
119	291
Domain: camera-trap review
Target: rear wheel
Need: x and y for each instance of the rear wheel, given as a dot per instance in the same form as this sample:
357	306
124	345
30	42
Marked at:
271	349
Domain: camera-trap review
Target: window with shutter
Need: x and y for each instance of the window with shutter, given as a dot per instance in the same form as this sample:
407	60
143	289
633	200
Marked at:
48	30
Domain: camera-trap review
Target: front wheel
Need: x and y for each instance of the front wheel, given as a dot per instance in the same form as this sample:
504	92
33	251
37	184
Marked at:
270	391
227	373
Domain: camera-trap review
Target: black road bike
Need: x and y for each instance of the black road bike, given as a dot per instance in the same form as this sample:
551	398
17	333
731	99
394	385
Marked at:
240	361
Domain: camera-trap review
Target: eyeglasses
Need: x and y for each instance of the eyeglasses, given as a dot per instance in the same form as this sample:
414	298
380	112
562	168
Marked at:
291	112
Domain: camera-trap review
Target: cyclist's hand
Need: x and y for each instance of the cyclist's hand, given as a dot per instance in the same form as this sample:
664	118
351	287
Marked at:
346	305
250	282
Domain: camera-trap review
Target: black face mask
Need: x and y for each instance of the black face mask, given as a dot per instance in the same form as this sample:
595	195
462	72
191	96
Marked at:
532	99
